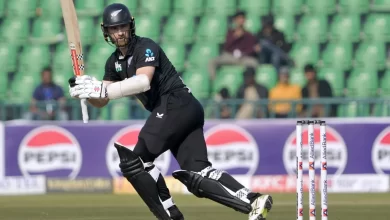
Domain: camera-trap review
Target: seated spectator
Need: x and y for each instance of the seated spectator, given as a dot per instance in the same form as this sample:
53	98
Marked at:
223	108
48	100
284	91
316	88
238	49
251	91
272	47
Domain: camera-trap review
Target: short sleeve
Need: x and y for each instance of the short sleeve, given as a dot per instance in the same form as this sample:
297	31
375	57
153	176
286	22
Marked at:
109	71
148	54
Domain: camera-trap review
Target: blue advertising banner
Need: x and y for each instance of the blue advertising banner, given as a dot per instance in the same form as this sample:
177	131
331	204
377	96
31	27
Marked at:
252	147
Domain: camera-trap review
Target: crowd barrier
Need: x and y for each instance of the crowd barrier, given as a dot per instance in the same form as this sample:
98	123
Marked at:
72	157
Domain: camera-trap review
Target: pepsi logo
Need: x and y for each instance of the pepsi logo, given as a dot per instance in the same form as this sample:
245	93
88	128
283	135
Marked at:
380	154
51	151
128	137
232	148
336	152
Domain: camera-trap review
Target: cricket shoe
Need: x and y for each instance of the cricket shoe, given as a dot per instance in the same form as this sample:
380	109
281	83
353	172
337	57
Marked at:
261	206
175	213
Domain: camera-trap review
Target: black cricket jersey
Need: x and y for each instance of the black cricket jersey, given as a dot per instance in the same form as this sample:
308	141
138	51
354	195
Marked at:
144	52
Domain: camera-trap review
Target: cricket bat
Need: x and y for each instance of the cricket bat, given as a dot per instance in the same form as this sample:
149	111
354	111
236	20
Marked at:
74	43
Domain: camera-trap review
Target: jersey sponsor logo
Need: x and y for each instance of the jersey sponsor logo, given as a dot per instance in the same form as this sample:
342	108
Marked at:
336	151
380	154
51	151
118	66
233	149
149	55
159	115
128	137
115	13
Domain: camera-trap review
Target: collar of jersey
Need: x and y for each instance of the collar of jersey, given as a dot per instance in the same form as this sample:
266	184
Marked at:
130	49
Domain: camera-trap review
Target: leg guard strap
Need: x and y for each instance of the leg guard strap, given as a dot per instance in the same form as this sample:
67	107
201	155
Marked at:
212	189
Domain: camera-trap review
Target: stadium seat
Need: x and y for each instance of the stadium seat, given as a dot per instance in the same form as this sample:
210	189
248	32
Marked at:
267	76
356	87
120	110
97	56
304	53
89	7
155	8
353	109
354	6
198	80
220	7
201	53
212	29
22	92
384	85
2	8
316	7
382	109
377	28
176	54
253	23
335	78
46	31
380	5
286	24
148	26
287	7
313	28
33	59
297	77
338	55
14	30
61	77
179	29
8	57
131	5
21	8
371	55
230	77
50	9
189	8
61	60
345	28
257	7
88	27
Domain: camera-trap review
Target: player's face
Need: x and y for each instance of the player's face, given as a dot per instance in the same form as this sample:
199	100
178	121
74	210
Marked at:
120	34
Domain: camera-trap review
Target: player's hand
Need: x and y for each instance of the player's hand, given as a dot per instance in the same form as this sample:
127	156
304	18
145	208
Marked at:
88	87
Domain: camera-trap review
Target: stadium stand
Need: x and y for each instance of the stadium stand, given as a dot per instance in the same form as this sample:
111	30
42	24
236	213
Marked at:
348	41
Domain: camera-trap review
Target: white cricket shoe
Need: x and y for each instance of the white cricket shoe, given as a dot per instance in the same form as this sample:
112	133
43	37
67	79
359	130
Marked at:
260	207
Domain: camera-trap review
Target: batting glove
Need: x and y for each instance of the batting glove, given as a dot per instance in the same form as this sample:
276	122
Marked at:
87	87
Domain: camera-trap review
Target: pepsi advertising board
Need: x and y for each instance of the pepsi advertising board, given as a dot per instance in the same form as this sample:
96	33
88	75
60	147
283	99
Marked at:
251	147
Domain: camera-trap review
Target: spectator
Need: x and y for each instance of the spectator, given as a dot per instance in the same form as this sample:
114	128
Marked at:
316	88
251	91
284	91
46	97
223	108
272	47
239	47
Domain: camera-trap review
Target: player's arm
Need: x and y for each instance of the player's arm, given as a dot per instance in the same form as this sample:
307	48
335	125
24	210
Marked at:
132	86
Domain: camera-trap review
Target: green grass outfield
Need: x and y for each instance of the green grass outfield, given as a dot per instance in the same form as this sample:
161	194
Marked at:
121	207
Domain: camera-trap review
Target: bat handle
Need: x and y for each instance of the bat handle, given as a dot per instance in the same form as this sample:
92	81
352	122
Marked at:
84	110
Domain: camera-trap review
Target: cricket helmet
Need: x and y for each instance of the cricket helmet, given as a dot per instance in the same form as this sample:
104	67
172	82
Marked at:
114	15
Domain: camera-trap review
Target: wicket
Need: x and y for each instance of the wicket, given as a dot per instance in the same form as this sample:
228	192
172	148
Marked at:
312	191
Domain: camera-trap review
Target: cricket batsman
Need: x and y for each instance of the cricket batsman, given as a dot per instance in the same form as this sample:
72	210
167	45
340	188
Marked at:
139	67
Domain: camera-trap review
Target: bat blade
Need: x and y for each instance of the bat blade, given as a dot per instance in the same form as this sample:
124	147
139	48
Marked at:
74	43
73	36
